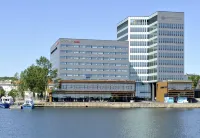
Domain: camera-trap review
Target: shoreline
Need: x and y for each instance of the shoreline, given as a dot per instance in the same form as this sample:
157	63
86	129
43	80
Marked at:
112	105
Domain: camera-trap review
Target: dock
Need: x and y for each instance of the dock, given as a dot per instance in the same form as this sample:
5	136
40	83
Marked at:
111	105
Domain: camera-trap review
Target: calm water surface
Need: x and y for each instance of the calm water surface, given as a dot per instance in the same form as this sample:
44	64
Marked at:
100	123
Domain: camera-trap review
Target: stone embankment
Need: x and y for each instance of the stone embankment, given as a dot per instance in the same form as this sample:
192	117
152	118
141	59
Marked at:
113	105
123	105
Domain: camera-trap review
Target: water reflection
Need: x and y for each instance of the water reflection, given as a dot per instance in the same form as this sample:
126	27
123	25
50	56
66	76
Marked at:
100	123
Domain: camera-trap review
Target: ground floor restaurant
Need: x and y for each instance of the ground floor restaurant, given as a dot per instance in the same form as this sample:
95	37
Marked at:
91	91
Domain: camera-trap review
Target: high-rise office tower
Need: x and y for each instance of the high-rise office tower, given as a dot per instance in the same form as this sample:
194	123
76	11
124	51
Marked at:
156	49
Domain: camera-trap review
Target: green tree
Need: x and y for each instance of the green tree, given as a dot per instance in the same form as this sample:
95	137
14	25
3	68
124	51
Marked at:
13	93
36	77
48	73
194	79
45	64
2	92
22	86
16	76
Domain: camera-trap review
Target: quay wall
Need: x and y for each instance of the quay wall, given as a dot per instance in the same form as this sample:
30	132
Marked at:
112	105
122	105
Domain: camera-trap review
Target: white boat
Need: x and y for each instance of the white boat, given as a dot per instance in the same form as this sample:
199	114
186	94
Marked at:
7	99
28	104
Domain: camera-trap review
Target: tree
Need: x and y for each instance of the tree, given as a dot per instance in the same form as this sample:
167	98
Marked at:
2	92
13	93
45	64
22	86
195	79
36	77
16	76
48	72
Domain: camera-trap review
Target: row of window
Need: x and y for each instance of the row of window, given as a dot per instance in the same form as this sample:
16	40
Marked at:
171	48
152	35
138	29
171	40
180	86
138	57
143	71
138	36
138	43
89	46
171	62
171	70
92	69
143	50
171	55
138	78
93	58
143	78
96	87
121	26
93	52
143	64
153	63
171	77
138	64
152	49
171	33
152	42
123	38
97	64
138	71
154	70
138	50
153	27
138	22
94	75
171	26
152	56
122	32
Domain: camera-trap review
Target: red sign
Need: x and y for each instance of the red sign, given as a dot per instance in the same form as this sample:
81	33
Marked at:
76	41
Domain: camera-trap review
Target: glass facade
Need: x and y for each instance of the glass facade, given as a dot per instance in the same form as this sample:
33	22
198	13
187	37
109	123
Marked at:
156	47
180	86
94	87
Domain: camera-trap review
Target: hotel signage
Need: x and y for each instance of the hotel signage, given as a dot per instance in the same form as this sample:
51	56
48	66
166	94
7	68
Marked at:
76	41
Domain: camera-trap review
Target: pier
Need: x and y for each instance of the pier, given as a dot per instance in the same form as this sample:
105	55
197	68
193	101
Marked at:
111	105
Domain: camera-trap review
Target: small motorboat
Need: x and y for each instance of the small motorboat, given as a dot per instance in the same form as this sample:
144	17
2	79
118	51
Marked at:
6	101
4	105
28	104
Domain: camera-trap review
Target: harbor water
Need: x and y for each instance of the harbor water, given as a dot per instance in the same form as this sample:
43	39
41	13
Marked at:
100	123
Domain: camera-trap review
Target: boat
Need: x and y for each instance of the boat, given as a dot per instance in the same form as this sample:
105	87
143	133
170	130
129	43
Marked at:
6	101
4	105
28	104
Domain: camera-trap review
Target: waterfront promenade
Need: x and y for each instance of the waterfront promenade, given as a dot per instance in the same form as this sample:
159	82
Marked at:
113	105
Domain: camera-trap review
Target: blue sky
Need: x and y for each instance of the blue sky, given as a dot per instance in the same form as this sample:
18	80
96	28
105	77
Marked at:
28	28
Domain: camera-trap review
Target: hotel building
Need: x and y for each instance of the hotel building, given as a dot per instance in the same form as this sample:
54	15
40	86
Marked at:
92	70
83	59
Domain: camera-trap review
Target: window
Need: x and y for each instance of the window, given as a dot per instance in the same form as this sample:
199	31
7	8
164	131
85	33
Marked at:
141	29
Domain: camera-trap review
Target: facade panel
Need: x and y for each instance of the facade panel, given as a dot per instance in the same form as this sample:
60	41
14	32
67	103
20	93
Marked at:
156	49
79	59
